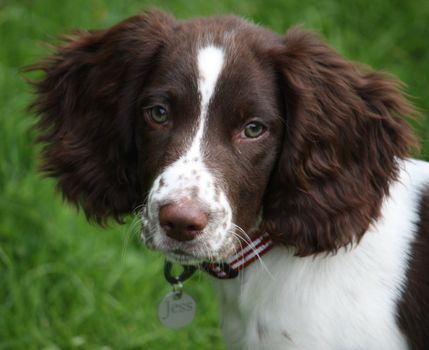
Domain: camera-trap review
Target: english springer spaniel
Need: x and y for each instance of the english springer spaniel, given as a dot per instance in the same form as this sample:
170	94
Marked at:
221	131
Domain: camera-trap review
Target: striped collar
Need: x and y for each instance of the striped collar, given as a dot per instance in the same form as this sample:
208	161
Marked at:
249	252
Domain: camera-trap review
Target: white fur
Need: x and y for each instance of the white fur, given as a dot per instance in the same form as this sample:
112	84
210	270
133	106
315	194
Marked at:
188	177
346	301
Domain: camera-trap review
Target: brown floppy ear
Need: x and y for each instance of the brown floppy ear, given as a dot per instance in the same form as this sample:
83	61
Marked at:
344	137
86	107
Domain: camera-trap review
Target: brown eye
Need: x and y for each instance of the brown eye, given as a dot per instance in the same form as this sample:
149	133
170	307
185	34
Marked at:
253	130
158	114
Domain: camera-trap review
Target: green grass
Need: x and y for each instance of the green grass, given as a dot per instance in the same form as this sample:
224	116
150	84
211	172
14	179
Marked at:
65	284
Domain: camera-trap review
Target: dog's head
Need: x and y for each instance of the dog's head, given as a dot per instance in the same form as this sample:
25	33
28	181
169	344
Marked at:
215	127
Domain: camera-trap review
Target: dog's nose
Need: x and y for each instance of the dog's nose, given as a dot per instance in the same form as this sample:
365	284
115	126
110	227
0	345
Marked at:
184	220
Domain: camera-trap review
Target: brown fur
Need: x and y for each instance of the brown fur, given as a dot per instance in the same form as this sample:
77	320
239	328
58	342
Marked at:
82	100
344	134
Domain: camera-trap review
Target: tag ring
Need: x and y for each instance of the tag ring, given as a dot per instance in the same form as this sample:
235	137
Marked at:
188	271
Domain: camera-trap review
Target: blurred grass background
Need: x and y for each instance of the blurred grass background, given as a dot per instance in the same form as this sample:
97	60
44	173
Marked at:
65	284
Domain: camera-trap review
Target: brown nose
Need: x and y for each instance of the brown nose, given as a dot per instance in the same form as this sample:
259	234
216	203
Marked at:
184	220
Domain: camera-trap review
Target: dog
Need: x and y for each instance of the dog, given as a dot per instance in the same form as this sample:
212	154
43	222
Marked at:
223	131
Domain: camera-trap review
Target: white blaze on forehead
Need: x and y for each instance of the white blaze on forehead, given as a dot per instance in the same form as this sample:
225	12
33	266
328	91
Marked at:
210	62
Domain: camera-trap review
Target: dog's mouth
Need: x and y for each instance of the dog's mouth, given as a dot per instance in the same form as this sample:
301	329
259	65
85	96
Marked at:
182	257
197	257
181	252
194	252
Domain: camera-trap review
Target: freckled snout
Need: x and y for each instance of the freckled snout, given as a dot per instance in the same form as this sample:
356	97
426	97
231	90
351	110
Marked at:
184	220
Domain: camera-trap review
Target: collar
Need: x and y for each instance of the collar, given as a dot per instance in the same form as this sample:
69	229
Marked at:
249	252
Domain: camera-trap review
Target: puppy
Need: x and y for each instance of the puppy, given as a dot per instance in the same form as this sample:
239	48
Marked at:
233	138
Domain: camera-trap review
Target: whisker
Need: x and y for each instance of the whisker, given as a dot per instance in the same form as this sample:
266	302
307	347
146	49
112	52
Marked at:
139	209
129	233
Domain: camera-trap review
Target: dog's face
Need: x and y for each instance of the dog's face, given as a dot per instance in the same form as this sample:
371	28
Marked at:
208	132
215	127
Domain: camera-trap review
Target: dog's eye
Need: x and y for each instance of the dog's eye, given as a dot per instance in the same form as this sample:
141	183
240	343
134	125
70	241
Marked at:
158	114
253	130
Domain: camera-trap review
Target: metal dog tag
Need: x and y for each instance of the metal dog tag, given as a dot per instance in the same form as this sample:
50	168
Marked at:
177	309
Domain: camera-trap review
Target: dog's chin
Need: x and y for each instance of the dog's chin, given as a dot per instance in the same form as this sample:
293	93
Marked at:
191	256
190	253
182	254
197	258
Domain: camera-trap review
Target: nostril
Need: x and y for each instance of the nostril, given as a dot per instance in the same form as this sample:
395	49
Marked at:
199	222
167	226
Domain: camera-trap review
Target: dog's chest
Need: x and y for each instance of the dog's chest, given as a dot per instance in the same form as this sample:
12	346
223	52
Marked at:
306	304
345	301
